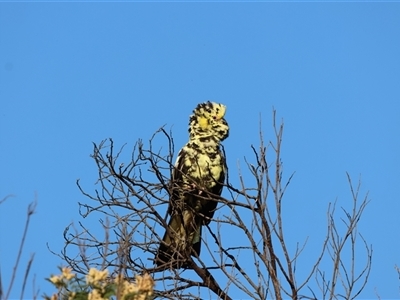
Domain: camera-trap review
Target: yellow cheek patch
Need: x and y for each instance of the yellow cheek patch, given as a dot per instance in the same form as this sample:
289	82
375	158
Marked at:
203	122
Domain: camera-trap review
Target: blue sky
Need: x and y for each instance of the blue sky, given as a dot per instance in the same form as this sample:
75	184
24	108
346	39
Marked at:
76	73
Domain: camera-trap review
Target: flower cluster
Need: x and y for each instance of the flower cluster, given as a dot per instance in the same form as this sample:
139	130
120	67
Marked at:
61	280
142	289
99	286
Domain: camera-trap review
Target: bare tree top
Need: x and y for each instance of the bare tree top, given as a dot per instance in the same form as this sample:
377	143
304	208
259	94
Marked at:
244	250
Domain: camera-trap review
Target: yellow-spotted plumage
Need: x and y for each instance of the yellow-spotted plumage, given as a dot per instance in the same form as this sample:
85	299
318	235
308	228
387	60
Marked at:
198	174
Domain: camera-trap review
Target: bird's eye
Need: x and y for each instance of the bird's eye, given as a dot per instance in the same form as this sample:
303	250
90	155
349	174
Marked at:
214	117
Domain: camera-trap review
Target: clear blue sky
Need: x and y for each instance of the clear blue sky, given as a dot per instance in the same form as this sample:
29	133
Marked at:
76	73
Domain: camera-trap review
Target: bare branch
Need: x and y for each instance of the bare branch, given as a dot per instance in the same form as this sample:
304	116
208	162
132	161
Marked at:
131	204
3	294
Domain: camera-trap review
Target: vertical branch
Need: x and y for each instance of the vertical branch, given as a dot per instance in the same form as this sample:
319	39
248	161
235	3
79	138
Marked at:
30	212
338	243
28	268
278	192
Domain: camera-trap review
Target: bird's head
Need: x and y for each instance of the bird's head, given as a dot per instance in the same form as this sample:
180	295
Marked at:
208	120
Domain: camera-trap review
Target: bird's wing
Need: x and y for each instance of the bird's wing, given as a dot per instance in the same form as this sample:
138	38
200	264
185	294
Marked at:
210	206
177	180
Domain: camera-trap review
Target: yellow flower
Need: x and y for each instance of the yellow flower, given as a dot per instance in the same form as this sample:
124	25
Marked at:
56	279
131	288
95	276
142	287
67	274
95	295
145	283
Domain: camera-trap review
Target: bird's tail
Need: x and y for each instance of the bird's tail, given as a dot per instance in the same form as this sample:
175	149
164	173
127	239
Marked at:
181	238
